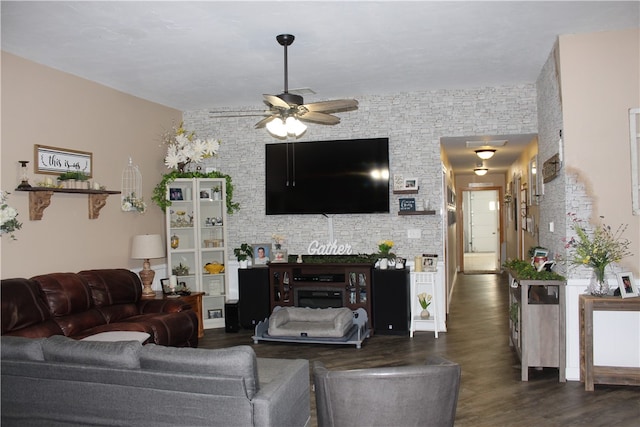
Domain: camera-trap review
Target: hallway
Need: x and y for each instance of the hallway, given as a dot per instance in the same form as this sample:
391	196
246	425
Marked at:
491	393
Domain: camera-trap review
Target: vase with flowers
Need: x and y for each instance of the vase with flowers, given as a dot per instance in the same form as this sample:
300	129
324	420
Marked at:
183	149
8	217
596	249
279	254
385	254
425	301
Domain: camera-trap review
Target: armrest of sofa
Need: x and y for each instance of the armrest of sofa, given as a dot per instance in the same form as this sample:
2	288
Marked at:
283	398
146	306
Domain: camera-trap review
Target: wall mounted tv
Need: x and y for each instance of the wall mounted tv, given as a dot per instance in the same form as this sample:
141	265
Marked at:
328	177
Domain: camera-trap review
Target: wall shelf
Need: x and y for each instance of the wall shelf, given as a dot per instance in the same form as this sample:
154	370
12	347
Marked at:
40	199
413	191
416	212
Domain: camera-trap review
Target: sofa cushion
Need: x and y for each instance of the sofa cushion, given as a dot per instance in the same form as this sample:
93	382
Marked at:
23	305
113	286
20	348
119	354
238	361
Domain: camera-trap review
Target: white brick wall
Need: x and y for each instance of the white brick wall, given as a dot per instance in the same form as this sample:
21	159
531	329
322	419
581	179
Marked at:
414	124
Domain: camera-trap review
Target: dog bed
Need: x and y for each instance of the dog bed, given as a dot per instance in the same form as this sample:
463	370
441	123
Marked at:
320	326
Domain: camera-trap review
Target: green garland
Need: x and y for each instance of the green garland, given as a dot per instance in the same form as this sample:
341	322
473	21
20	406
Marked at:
160	191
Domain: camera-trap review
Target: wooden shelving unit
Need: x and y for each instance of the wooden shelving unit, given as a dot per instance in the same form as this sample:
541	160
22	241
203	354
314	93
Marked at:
401	213
40	199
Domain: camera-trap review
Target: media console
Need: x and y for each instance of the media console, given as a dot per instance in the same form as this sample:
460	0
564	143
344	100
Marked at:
319	285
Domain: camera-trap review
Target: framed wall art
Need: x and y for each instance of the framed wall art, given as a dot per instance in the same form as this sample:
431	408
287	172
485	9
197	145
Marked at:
54	160
410	184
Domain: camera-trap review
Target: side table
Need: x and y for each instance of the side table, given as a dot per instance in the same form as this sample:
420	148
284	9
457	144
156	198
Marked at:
195	301
589	373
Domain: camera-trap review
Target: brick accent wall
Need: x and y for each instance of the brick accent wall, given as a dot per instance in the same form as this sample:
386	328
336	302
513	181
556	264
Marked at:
414	124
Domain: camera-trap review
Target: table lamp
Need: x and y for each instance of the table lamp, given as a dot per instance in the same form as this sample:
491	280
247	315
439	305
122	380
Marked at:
145	247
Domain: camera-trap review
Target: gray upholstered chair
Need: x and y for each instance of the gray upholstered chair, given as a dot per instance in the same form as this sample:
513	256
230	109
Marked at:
422	395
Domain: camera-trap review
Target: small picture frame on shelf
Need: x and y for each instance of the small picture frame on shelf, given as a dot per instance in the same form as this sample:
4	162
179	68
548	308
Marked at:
429	262
261	254
214	313
627	285
204	194
175	194
410	184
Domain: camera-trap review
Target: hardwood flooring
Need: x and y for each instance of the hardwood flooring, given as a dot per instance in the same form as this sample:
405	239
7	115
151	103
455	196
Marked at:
491	393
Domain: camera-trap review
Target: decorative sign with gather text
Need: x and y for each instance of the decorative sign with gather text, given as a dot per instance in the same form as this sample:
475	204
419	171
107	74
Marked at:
331	248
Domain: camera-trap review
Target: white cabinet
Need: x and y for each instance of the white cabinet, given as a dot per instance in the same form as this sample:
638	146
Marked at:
196	225
431	283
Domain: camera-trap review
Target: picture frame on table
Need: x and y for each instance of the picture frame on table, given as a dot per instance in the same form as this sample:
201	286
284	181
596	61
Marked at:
175	193
627	285
261	254
214	313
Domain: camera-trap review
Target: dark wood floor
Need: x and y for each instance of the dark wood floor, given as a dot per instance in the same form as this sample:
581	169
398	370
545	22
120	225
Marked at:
491	393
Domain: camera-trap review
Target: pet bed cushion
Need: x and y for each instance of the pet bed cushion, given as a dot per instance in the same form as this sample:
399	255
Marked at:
310	322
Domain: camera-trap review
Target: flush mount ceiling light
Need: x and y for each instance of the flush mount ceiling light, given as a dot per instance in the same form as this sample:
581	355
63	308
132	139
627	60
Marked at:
485	153
480	170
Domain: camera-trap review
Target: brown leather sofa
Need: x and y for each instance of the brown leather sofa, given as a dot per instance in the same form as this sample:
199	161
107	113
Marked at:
90	302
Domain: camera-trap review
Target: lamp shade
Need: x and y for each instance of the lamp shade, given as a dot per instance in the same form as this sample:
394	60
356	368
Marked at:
481	171
147	246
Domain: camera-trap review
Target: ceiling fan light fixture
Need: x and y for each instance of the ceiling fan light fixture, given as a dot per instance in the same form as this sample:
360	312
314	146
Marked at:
295	127
485	153
480	171
277	128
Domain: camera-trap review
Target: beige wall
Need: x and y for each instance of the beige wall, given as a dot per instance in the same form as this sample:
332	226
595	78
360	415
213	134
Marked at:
44	106
600	83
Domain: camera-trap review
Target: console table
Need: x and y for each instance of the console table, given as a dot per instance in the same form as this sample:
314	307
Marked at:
589	373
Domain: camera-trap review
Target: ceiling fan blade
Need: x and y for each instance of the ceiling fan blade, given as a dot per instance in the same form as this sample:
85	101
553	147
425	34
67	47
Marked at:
332	106
262	123
321	118
276	102
224	116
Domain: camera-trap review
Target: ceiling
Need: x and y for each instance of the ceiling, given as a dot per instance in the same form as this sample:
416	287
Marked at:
214	54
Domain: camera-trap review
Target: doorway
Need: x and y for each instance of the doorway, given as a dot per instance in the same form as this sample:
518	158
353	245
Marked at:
481	230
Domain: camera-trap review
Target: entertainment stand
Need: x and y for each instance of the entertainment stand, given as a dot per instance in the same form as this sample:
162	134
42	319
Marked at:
320	285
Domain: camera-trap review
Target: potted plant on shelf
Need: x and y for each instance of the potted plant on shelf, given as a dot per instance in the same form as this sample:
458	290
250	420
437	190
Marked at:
242	253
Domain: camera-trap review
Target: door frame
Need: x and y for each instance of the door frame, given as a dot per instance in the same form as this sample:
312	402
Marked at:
460	220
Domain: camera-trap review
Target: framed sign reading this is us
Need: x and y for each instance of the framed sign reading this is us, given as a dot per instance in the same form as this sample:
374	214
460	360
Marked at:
54	161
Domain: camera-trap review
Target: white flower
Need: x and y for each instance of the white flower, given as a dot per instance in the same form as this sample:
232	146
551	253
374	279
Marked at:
8	216
183	147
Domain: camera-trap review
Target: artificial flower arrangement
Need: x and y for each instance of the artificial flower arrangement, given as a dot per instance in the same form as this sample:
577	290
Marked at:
278	239
184	147
425	300
385	249
597	248
133	203
8	217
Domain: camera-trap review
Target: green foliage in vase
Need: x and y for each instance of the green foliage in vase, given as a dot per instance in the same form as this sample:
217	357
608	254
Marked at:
160	191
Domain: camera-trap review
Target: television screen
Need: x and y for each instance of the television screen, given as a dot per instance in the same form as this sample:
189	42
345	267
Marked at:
328	177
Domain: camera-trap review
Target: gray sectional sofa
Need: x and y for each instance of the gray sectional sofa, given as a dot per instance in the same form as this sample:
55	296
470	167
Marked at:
60	381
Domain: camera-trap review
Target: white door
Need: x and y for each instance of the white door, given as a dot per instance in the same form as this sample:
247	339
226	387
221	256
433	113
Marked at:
481	230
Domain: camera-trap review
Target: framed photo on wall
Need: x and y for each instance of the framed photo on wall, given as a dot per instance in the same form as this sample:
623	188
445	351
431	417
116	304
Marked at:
411	184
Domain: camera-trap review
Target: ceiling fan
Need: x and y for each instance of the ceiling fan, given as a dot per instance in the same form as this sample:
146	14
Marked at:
287	110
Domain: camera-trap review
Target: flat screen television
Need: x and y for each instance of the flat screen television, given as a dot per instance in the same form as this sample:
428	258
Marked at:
328	177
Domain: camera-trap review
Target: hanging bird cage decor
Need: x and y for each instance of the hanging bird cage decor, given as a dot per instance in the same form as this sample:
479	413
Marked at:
132	189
